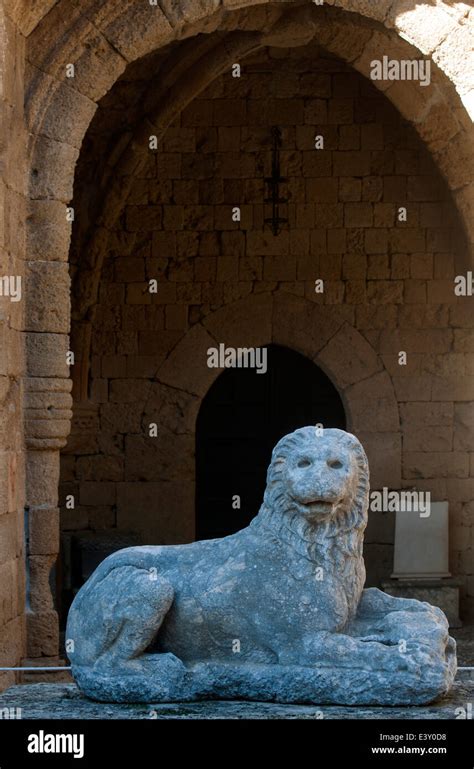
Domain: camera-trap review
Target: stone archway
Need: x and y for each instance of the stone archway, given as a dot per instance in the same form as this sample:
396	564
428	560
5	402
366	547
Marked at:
435	118
440	127
118	42
100	42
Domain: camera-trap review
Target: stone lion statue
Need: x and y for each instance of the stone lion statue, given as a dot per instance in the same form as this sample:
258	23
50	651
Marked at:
275	612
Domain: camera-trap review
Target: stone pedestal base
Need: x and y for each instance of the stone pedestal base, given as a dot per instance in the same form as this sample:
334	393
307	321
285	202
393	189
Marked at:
65	701
443	593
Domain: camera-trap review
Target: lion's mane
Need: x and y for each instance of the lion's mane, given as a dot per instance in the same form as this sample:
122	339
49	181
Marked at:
336	544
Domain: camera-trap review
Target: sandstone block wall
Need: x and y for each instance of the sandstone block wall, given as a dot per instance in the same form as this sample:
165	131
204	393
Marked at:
390	280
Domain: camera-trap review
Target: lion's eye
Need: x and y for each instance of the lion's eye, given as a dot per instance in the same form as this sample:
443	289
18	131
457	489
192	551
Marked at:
304	463
334	464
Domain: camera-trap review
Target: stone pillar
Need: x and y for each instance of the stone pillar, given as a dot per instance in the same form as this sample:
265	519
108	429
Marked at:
47	423
47	410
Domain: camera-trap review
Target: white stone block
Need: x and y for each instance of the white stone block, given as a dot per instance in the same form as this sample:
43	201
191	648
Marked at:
422	543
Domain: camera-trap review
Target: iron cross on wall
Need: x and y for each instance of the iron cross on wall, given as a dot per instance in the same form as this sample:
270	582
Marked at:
274	181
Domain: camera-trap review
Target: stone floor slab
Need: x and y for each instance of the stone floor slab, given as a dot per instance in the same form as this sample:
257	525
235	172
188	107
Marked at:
65	701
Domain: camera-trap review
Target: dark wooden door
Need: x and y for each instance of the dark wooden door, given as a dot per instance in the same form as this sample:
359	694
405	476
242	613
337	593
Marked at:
241	419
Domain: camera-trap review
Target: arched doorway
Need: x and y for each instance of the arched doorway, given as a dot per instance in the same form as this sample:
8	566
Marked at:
240	420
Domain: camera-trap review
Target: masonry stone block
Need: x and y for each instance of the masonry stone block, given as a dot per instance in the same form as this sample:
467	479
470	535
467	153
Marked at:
159	511
11	644
42	478
349	357
413	414
435	464
372	404
52	169
69	113
46	354
452	388
48	232
137	30
384	451
42	633
437	437
463	427
39	566
43	529
48	302
169	455
9	543
246	323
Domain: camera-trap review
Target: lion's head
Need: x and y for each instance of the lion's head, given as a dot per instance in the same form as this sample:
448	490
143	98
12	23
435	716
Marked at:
318	487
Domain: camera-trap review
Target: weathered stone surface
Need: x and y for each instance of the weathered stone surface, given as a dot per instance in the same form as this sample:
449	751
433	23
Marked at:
11	641
167	457
43	531
41	599
52	170
42	476
246	323
186	367
349	357
455	56
48	307
443	593
384	451
47	403
97	68
46	355
9	539
435	464
69	113
463	422
276	612
373	404
292	31
436	437
172	409
42	633
48	232
297	321
137	30
28	16
8	590
456	388
65	701
153	508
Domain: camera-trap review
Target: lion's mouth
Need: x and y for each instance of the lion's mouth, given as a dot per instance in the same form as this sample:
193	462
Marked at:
317	507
